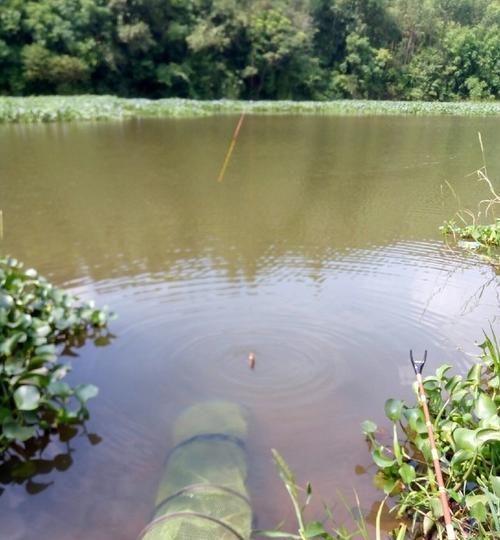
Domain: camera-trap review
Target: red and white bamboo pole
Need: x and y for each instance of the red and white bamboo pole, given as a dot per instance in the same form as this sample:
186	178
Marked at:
418	366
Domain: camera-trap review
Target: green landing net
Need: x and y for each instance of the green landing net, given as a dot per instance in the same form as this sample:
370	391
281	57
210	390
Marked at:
203	494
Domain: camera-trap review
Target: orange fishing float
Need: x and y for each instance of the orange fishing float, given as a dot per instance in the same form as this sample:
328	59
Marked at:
231	148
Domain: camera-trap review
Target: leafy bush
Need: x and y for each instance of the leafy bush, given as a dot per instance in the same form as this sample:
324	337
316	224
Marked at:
478	238
485	235
36	319
466	423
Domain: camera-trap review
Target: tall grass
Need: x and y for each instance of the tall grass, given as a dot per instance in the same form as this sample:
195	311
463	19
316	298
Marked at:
72	108
478	230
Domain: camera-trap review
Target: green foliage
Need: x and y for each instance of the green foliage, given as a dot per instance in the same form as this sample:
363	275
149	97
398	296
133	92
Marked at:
466	423
257	49
282	65
64	108
481	237
365	71
36	319
464	66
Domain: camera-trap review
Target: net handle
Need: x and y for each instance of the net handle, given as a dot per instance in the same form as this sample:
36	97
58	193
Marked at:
166	517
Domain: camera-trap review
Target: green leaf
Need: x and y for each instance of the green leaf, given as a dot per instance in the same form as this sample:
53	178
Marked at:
428	523
471	500
431	384
6	301
474	374
407	473
441	370
455	495
461	456
452	384
393	409
383	481
487	435
84	392
478	511
465	439
436	507
14	432
495	484
59	388
492	422
7	345
484	406
401	532
368	427
49	348
458	395
42	330
314	529
4	414
416	420
494	382
27	398
382	460
396	446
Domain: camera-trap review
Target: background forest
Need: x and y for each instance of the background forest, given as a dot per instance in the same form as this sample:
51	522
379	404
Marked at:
253	49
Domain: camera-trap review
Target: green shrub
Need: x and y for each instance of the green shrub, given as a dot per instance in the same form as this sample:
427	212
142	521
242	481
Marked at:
481	239
466	421
36	320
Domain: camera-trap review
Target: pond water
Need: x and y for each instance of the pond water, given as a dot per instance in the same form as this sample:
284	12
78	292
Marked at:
319	252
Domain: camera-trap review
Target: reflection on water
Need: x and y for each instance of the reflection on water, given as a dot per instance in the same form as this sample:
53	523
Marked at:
25	464
319	252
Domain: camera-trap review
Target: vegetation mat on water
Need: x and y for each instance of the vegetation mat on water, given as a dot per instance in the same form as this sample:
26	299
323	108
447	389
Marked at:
37	321
72	108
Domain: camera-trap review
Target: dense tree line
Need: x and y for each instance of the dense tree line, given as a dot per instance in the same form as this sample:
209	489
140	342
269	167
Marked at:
258	49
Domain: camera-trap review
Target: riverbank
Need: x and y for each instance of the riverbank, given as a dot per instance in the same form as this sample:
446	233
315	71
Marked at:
94	108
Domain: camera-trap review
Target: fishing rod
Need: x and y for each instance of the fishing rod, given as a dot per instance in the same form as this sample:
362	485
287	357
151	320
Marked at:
418	366
231	148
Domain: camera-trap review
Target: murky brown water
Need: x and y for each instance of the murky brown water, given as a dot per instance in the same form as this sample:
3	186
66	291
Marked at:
319	251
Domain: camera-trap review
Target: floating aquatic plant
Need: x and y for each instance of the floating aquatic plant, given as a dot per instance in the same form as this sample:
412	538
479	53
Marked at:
478	231
36	321
75	108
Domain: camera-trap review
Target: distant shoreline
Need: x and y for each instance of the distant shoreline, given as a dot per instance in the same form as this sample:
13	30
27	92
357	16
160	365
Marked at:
38	109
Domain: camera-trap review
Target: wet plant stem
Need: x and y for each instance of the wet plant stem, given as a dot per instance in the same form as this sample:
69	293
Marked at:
463	480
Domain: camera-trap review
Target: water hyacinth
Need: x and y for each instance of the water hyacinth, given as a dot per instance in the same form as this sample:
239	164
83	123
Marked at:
466	424
94	108
36	319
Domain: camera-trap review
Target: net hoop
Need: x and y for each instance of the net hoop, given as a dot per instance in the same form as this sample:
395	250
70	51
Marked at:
167	517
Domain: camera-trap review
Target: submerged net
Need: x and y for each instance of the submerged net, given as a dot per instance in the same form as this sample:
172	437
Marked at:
202	494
